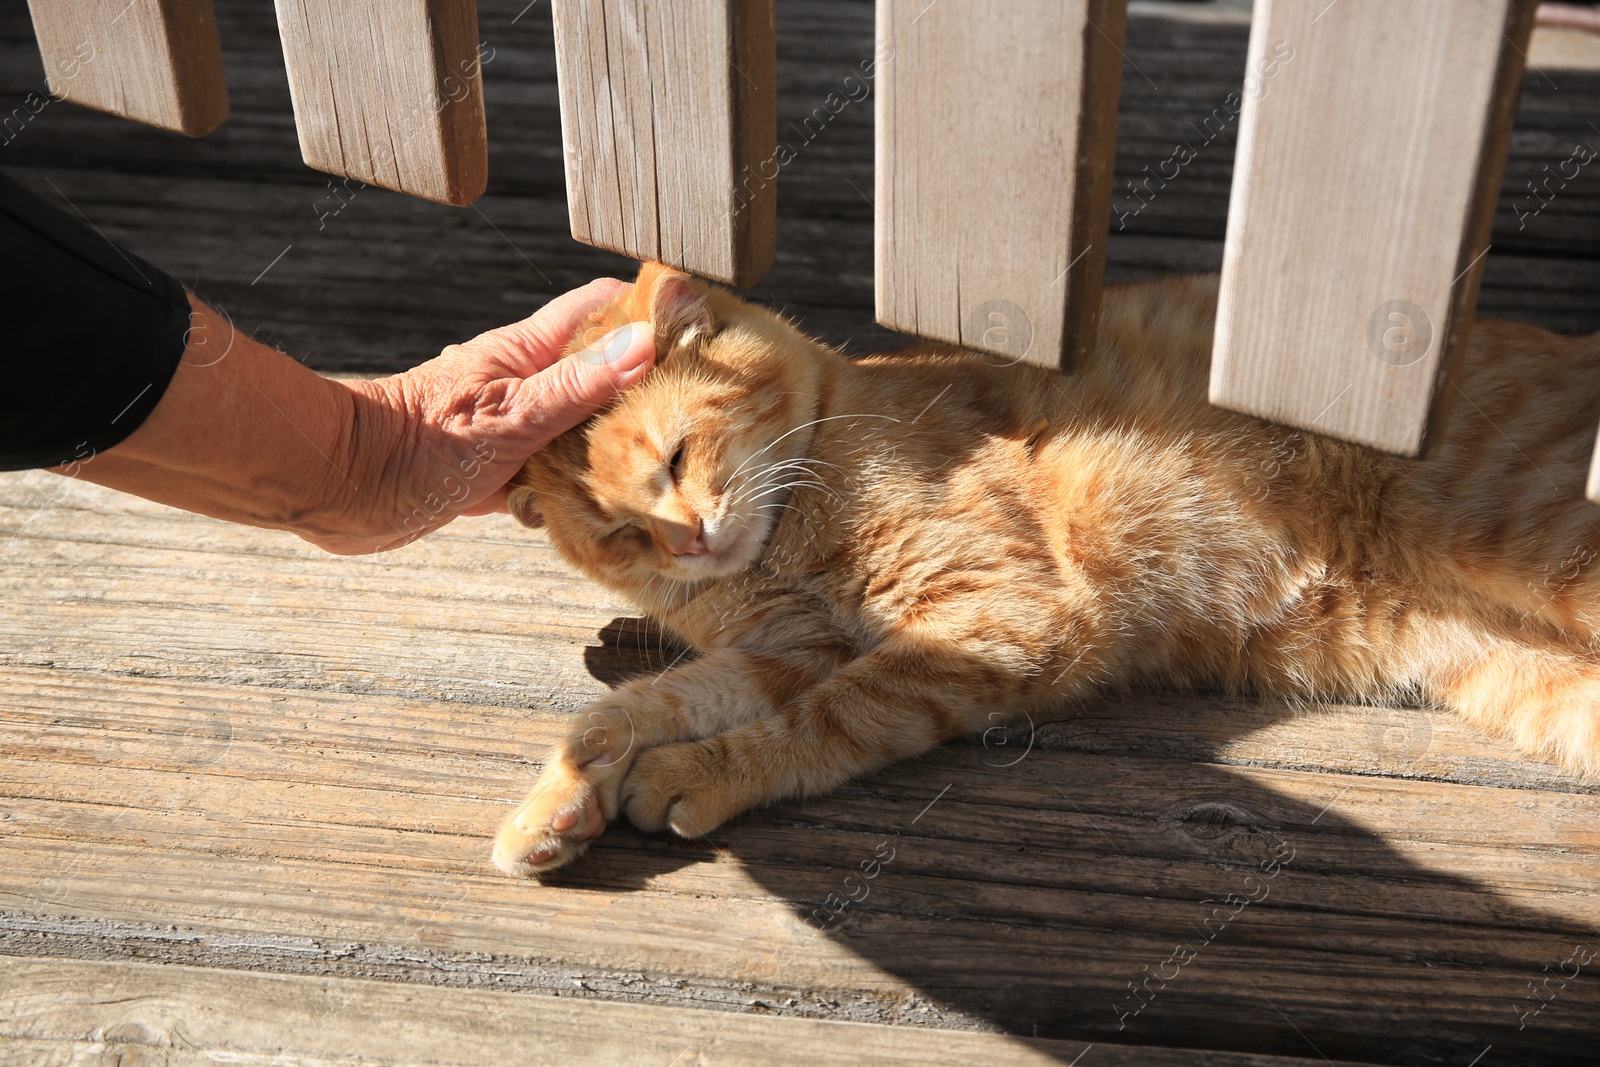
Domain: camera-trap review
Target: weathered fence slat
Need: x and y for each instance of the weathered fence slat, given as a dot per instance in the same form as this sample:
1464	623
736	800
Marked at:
152	61
1370	152
996	126
669	122
389	94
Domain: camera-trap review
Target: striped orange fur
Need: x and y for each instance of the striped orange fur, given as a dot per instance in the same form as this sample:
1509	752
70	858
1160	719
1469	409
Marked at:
873	556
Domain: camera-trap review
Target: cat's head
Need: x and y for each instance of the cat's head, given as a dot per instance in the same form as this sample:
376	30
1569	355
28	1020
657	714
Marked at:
683	476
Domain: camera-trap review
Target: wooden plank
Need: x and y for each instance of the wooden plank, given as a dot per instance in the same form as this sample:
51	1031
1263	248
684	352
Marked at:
378	771
996	128
1369	159
1564	48
153	61
389	94
70	1011
486	591
669	122
327	834
1414	743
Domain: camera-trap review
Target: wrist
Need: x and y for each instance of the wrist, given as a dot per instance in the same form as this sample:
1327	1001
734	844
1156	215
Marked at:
373	427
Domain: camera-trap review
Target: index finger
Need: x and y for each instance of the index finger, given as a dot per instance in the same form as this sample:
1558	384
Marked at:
537	341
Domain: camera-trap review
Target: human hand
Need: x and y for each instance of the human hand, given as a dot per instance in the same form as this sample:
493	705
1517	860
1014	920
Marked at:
444	438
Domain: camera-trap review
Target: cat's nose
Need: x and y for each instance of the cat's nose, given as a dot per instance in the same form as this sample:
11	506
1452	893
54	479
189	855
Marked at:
689	540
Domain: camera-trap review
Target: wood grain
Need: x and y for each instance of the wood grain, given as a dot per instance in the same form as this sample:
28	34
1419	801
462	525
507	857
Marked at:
669	120
229	751
1371	146
327	834
74	1011
153	61
389	94
996	128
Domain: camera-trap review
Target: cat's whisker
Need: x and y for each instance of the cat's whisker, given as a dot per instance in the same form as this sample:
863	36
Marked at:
762	485
761	478
794	484
802	426
788	487
748	491
784	486
799	461
771	471
814	461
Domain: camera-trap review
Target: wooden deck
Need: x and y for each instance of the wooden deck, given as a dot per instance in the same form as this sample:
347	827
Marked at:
247	788
230	752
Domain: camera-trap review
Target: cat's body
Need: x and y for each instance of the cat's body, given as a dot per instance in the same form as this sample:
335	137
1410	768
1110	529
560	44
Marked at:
874	556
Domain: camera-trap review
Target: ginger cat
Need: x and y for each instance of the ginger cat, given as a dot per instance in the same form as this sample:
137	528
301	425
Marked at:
872	556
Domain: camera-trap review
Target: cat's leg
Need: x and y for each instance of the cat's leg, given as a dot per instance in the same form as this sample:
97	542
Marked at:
889	704
576	793
1540	692
1518	679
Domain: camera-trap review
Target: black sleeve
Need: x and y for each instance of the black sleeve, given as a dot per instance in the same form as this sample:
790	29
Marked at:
90	335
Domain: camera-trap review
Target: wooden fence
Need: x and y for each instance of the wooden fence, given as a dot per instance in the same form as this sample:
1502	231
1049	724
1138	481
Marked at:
1372	139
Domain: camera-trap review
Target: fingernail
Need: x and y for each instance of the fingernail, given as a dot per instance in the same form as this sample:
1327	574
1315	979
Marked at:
615	347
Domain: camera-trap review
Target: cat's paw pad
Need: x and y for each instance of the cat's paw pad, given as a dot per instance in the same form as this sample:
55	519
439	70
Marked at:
673	788
551	828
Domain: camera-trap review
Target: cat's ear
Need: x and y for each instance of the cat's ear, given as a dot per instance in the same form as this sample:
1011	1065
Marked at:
674	302
523	503
670	300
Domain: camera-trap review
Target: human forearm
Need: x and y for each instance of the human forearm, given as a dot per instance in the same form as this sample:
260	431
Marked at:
243	433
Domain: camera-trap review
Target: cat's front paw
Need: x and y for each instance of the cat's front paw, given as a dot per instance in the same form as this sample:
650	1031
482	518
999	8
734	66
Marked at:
553	826
679	787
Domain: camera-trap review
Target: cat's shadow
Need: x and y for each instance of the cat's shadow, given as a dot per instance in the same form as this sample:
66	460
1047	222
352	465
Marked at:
1103	877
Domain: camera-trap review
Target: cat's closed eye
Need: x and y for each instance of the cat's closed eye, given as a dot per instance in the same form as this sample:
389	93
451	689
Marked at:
675	465
623	527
